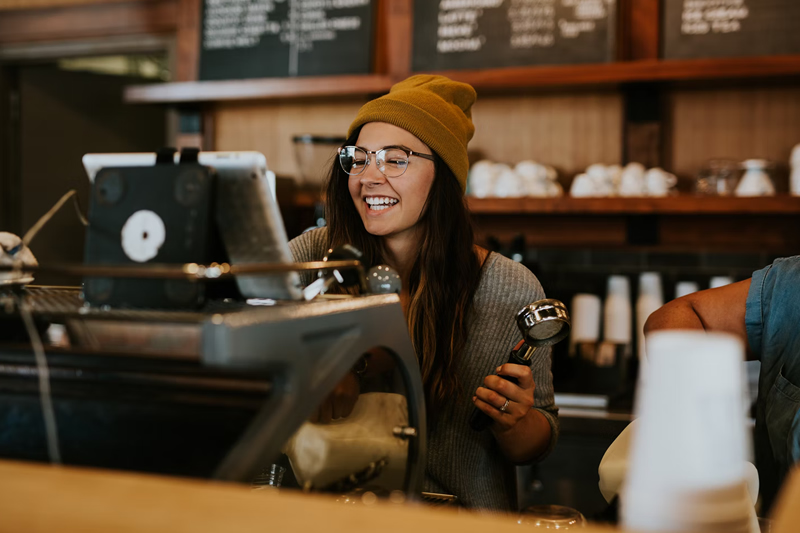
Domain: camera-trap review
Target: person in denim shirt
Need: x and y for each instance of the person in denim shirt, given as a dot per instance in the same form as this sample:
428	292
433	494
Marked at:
765	312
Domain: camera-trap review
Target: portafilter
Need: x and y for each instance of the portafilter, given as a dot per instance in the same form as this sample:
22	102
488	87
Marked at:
542	323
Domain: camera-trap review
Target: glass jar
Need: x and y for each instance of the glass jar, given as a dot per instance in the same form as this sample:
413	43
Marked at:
719	177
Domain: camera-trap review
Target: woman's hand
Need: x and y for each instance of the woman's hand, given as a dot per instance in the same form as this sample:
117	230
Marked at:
496	391
340	402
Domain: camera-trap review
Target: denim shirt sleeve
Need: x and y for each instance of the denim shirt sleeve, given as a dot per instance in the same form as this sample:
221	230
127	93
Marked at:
772	302
754	318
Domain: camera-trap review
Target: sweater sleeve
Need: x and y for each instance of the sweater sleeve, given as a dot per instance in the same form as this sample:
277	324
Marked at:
309	246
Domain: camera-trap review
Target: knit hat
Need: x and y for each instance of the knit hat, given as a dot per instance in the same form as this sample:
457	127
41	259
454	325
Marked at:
435	109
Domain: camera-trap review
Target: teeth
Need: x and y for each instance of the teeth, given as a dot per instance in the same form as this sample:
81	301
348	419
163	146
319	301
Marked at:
375	203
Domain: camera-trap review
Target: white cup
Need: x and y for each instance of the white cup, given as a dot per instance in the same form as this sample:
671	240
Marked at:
582	187
658	182
719	281
651	297
794	181
682	288
586	314
617	311
481	179
688	455
508	184
632	180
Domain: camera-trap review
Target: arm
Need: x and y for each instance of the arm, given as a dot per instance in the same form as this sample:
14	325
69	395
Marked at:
721	309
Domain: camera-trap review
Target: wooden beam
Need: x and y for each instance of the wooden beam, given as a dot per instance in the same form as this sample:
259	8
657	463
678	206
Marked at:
672	205
640	32
89	21
393	38
188	40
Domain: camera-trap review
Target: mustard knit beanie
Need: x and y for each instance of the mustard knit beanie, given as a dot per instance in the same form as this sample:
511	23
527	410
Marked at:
435	109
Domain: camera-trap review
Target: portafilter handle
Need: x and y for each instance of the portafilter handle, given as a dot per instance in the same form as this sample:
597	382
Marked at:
542	323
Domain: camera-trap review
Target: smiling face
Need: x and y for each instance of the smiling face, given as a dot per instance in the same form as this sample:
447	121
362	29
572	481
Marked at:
391	207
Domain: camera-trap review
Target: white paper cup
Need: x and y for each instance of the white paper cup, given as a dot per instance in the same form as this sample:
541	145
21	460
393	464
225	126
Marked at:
682	288
650	299
720	281
688	455
585	314
617	313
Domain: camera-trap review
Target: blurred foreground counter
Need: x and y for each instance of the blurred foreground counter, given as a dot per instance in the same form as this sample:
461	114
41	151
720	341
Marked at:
40	498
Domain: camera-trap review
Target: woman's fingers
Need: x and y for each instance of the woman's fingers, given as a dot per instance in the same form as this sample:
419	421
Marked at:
497	401
509	390
522	373
488	409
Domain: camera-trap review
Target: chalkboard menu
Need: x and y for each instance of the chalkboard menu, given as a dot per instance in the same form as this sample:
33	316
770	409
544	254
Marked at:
473	34
283	38
727	28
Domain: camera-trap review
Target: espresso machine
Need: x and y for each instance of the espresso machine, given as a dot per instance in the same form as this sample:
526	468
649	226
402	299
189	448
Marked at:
212	384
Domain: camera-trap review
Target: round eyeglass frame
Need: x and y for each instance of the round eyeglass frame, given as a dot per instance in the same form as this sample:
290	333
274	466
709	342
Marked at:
379	155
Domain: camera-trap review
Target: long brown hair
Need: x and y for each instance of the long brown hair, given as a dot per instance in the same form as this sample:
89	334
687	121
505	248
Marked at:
442	282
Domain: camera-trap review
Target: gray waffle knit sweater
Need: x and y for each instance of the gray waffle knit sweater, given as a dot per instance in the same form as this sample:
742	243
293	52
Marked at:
461	461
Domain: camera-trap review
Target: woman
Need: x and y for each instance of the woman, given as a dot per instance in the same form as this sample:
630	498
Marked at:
396	193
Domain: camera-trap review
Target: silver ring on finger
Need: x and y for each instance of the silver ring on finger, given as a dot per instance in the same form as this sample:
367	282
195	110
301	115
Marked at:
505	406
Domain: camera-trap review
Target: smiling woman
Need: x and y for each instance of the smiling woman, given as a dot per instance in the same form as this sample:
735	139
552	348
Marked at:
396	193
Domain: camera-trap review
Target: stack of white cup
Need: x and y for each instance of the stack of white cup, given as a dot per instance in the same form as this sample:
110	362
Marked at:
585	314
617	311
688	455
683	288
650	299
719	281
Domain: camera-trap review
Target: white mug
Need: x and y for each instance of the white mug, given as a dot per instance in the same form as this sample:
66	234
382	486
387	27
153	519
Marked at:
658	182
508	184
481	179
582	187
794	181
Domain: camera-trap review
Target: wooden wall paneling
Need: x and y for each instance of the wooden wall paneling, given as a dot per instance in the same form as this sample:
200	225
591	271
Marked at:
737	123
553	230
269	127
745	233
640	29
89	21
188	40
567	131
644	118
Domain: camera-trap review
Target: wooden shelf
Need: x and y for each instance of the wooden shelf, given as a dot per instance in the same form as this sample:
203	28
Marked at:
629	71
486	79
678	205
258	89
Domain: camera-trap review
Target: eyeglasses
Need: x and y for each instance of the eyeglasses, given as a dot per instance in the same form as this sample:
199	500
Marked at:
392	161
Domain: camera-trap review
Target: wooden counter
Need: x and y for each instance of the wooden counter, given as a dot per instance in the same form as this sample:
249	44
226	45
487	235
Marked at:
39	498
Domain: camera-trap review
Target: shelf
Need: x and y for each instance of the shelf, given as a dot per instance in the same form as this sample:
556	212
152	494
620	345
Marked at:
629	71
678	205
485	79
257	89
